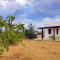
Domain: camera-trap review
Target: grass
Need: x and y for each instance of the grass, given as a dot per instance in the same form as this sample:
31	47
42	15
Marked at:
33	50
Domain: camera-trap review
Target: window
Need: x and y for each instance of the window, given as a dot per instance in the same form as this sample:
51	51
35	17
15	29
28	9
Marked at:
57	31
49	31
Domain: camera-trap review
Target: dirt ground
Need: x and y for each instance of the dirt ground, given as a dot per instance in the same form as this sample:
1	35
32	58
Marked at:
33	50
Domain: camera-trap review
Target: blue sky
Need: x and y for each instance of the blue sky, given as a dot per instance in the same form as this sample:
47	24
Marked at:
37	12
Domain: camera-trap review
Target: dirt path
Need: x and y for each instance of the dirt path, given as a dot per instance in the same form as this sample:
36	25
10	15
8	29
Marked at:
34	50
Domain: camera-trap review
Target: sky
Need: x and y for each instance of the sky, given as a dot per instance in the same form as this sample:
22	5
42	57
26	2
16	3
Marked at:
36	12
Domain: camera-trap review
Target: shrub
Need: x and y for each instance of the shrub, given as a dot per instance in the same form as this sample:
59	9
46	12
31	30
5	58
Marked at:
52	37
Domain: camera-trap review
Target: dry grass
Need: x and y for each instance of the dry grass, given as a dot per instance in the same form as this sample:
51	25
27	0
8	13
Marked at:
34	50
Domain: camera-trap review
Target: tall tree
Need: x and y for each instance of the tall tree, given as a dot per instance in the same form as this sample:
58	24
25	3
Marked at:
9	35
31	28
10	20
30	32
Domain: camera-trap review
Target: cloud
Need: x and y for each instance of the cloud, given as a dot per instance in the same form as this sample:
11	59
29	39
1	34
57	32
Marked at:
48	20
6	7
42	22
37	12
42	7
46	7
21	2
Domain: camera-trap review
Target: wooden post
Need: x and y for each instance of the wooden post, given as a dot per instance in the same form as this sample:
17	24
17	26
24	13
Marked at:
54	33
42	34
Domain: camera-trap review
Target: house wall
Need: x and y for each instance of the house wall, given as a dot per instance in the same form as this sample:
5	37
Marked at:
46	35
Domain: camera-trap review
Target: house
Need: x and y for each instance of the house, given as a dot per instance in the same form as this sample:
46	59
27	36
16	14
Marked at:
50	31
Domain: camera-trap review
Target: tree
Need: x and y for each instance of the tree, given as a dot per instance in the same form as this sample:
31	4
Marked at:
9	35
31	28
30	32
20	27
10	20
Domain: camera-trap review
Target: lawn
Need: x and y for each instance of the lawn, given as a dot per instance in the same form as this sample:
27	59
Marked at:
33	50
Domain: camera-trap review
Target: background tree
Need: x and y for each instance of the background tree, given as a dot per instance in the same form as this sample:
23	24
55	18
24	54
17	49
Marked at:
30	32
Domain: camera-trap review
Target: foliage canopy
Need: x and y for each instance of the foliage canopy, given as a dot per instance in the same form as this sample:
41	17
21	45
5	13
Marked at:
10	33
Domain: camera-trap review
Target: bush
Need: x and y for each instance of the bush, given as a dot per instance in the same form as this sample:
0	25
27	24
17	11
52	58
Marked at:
4	43
52	37
30	35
